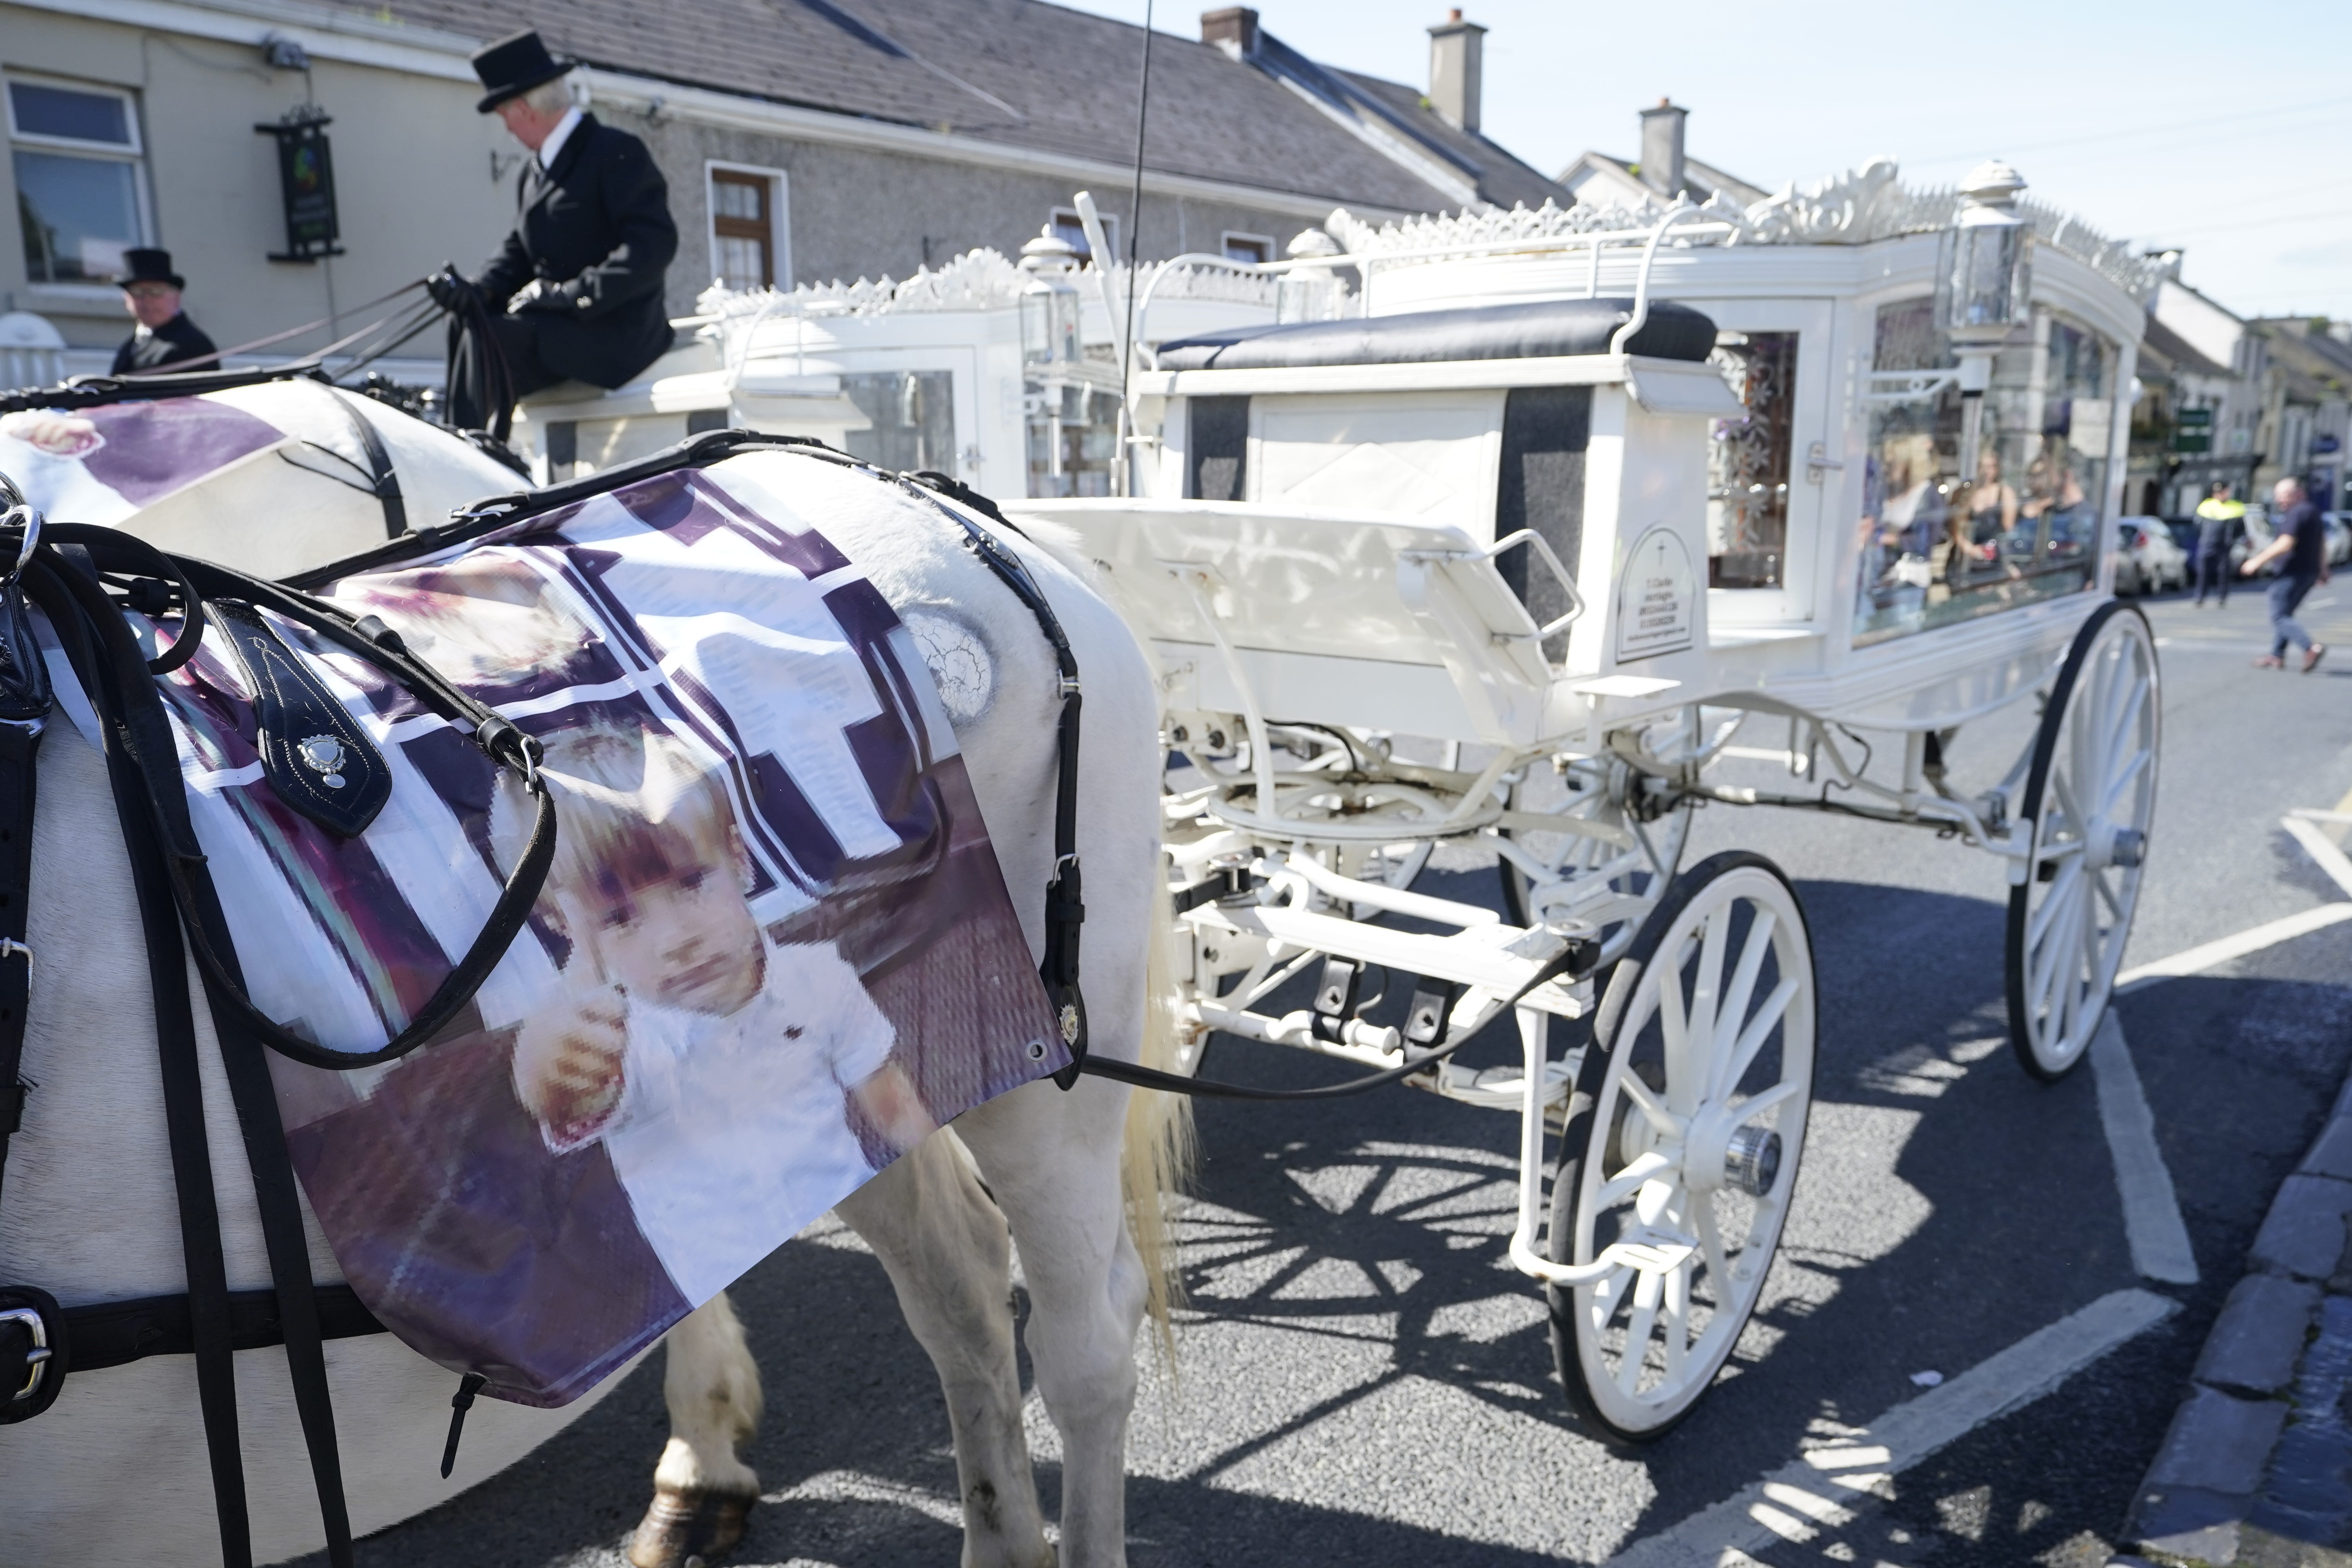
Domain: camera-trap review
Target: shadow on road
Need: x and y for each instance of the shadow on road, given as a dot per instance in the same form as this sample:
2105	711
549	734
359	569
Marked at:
1365	1379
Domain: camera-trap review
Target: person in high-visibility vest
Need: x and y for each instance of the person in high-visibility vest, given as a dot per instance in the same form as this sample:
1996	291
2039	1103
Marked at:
2220	521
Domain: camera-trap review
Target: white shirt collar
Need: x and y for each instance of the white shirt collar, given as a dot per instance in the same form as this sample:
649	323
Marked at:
553	145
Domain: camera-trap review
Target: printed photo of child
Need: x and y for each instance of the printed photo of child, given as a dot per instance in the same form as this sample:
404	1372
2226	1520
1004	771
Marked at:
715	1065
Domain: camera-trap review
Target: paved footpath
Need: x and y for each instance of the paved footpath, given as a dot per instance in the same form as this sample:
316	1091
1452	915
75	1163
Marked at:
2257	1467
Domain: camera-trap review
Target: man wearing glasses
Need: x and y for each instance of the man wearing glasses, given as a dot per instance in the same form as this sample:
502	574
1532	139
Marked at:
164	339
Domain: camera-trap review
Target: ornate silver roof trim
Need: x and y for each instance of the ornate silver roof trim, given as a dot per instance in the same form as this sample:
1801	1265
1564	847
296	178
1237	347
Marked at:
976	280
1852	208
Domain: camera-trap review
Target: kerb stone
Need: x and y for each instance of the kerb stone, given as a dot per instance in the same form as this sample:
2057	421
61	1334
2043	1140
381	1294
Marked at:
2303	1233
2218	1444
2259	1336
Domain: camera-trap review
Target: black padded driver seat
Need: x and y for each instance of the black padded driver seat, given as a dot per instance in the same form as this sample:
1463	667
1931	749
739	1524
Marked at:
1541	330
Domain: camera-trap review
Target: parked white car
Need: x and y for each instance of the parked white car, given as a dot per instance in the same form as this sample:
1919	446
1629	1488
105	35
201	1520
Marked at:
2150	560
2340	536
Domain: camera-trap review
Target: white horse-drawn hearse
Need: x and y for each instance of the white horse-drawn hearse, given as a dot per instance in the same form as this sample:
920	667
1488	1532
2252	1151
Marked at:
1495	529
1577	504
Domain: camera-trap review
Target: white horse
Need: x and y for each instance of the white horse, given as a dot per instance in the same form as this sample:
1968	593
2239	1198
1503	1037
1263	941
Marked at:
115	1471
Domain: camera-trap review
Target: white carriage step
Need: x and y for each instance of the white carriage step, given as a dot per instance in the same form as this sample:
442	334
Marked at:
1635	686
1377	895
1465	959
1505	1087
1828	1485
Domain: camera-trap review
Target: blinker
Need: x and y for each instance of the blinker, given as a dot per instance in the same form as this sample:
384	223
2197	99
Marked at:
313	753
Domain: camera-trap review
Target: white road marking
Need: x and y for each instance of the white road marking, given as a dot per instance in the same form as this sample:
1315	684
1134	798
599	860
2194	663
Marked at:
2304	827
2160	1239
1821	1489
2213	954
2343	815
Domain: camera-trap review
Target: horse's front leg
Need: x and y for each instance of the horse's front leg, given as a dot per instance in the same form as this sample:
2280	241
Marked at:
945	1246
701	1490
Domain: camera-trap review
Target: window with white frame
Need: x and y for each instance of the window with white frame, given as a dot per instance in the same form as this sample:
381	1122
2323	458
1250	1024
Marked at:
1255	248
750	227
1071	229
81	197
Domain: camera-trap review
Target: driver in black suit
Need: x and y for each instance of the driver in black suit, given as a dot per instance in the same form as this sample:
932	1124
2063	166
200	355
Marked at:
576	291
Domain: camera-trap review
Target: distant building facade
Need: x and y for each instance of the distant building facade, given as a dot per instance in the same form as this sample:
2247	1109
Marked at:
803	141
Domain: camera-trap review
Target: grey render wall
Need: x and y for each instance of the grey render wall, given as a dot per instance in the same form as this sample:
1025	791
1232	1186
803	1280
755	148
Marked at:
860	212
412	174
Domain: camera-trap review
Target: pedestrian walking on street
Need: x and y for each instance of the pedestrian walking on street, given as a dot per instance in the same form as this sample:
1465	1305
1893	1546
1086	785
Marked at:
2219	520
2302	540
576	290
164	339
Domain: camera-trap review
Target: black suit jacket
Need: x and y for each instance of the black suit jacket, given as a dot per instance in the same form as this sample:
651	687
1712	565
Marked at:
177	345
595	232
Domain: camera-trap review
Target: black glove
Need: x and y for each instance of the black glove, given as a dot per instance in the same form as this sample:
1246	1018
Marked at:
452	292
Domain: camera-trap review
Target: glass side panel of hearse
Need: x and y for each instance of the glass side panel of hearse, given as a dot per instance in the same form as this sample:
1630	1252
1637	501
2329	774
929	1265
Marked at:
1939	547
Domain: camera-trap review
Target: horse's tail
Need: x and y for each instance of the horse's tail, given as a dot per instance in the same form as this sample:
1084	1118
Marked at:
1160	1151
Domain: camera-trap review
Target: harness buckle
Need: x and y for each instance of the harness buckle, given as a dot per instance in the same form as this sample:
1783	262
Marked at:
37	1359
10	947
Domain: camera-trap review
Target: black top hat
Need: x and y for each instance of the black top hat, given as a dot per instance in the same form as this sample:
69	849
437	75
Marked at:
514	65
150	267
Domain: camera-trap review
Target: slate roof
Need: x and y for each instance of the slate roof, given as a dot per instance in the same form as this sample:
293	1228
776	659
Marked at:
1501	178
2314	366
1702	179
1021	72
2183	356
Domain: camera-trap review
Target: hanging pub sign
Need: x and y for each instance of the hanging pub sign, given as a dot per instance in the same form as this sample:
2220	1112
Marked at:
306	185
2192	430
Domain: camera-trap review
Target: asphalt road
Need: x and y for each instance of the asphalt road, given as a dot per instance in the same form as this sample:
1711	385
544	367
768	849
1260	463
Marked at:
1363	1378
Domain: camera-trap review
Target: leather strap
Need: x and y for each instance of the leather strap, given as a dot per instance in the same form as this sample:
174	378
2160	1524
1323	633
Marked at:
20	746
116	1333
1065	909
61	590
381	474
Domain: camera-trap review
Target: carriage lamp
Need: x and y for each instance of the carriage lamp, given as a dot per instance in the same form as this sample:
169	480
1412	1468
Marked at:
1049	305
1309	293
1049	330
1983	288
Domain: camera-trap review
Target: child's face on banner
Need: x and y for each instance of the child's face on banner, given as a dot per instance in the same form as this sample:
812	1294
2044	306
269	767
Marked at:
686	941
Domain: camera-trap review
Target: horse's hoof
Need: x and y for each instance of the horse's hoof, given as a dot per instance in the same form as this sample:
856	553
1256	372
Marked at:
688	1527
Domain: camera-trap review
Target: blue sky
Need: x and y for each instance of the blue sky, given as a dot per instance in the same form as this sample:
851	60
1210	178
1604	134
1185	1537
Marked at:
2223	128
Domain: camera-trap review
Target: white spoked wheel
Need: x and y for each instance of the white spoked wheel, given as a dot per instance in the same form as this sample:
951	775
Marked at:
1683	1144
2089	798
1604	791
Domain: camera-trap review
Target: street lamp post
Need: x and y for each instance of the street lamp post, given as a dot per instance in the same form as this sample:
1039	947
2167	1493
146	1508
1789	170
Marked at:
1985	289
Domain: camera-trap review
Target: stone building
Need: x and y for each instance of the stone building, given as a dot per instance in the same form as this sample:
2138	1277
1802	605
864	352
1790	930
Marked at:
804	140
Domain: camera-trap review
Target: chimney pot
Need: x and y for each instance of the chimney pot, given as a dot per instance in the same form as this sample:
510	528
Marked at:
1233	29
1456	57
1662	148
